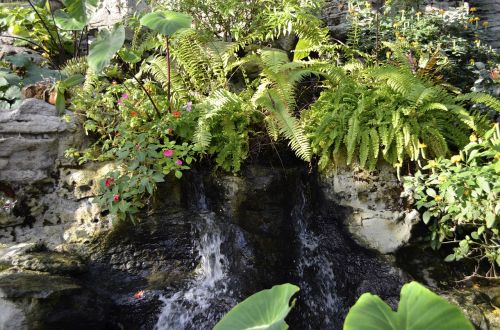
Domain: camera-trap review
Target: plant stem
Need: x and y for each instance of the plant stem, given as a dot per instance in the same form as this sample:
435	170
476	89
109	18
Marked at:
57	31
44	24
80	42
169	97
75	44
149	96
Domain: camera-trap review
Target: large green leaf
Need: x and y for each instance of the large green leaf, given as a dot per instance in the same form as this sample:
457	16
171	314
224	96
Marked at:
265	310
419	309
166	22
105	47
12	93
76	14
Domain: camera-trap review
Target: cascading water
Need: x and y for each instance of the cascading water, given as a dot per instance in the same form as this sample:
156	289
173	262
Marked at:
193	308
319	304
273	237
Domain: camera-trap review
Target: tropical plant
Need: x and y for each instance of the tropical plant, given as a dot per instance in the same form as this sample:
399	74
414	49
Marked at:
145	159
19	70
62	86
167	23
10	93
386	112
266	310
253	21
419	309
459	197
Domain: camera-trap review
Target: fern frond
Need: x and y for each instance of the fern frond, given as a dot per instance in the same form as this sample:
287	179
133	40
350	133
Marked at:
288	125
481	98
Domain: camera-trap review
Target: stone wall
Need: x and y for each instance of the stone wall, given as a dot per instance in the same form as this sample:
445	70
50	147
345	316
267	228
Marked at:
50	200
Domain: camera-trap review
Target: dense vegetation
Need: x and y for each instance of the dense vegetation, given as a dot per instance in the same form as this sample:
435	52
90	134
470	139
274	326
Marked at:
216	82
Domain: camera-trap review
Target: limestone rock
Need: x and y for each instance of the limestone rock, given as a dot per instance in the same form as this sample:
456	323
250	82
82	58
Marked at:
376	217
32	138
62	214
49	262
21	285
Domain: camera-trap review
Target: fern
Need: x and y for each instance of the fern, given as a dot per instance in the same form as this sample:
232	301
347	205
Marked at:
387	113
222	129
275	95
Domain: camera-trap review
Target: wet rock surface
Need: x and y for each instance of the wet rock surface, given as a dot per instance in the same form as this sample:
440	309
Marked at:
275	226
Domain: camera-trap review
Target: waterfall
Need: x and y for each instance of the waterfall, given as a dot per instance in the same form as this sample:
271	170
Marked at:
193	308
319	304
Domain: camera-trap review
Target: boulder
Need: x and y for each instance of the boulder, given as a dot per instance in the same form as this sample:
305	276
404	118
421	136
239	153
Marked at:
376	214
32	138
31	300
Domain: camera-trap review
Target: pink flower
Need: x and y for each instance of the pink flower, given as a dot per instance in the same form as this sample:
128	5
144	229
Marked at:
108	182
119	102
116	198
178	162
124	96
168	153
189	106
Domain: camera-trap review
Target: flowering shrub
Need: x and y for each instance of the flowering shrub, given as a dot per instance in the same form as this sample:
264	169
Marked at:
145	162
460	200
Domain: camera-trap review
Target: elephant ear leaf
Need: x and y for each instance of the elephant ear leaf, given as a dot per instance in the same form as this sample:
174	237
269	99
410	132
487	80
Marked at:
105	47
265	310
166	22
76	14
419	309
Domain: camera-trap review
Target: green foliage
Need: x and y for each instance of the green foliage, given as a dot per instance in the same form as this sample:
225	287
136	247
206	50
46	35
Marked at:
166	22
451	35
460	199
62	86
276	97
419	309
10	93
254	20
266	310
223	128
19	71
23	22
75	15
386	112
105	47
145	158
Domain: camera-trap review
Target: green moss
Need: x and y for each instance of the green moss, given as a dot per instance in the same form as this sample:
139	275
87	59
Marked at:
4	266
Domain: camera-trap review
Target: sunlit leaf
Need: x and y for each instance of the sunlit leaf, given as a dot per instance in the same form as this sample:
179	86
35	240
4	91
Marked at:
105	47
419	309
265	310
166	22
